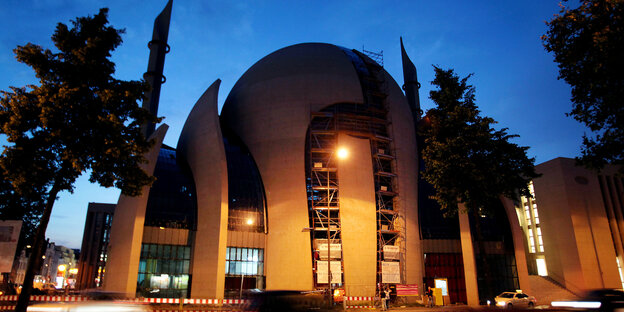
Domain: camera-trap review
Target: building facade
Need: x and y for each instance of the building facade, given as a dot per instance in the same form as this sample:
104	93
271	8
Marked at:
573	225
93	252
258	197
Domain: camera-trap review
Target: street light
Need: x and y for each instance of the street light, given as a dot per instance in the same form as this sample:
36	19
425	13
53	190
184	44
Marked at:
250	221
341	153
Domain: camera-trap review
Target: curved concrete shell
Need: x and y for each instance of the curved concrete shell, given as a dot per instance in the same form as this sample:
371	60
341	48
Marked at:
201	144
126	235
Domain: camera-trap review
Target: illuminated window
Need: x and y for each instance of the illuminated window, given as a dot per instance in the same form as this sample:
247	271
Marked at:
539	238
244	261
620	270
531	241
541	267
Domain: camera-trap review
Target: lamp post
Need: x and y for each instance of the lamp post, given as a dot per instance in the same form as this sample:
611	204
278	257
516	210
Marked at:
249	222
341	153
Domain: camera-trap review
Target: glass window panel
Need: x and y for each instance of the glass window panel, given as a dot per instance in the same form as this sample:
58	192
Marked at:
244	255
142	266
227	253
227	267
261	255
187	252
255	254
153	250
166	252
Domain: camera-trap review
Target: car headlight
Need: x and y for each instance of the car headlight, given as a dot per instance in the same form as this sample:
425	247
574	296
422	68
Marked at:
501	303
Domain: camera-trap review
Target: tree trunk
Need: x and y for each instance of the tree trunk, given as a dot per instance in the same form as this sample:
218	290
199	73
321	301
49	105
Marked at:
39	240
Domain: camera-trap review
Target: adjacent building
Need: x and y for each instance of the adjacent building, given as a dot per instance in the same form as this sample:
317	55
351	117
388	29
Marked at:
574	225
93	253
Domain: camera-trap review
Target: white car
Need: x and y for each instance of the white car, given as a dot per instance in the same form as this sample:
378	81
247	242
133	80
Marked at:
514	300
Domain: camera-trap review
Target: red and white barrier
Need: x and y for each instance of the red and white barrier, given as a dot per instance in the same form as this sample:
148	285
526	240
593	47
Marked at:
46	298
359	298
347	300
138	300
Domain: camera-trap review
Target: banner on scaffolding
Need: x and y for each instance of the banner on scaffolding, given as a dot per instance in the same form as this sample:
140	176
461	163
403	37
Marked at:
322	273
391	252
407	290
390	273
334	249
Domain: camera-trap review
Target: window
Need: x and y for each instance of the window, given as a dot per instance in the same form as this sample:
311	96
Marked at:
531	241
244	261
164	271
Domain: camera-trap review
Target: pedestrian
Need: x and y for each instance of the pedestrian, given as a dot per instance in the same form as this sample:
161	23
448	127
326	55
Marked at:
387	296
430	297
384	300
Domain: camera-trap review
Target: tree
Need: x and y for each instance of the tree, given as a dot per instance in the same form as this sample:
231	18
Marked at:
466	160
79	118
588	44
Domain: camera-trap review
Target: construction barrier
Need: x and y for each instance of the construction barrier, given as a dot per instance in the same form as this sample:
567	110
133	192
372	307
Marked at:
136	300
347	300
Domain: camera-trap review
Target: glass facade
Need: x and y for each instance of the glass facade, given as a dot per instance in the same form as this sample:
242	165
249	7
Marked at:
494	252
246	198
172	202
164	271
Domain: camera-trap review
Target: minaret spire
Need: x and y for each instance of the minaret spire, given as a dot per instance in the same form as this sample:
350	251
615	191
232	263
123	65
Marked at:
411	84
154	75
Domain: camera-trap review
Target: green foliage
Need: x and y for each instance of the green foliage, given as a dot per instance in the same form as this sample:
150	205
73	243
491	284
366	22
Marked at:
466	160
78	118
588	44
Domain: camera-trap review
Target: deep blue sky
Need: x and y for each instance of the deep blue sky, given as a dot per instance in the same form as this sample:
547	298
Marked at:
499	41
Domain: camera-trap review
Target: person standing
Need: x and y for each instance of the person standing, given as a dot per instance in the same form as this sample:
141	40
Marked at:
384	300
430	297
387	296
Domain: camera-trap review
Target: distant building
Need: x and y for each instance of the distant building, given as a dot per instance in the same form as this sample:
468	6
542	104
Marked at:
92	262
9	237
58	263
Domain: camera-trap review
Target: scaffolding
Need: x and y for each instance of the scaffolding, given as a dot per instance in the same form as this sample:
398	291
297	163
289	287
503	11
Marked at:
369	119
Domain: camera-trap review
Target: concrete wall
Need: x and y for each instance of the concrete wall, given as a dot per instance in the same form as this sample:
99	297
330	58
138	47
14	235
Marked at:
201	144
578	246
358	217
269	109
124	248
468	255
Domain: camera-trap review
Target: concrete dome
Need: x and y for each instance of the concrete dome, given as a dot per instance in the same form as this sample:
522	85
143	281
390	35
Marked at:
309	74
270	109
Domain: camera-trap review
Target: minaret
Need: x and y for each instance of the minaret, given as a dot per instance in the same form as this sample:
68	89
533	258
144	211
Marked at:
154	75
411	85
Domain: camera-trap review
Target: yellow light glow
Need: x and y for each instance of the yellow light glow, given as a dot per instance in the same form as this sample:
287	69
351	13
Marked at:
73	271
250	221
62	268
342	153
162	227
